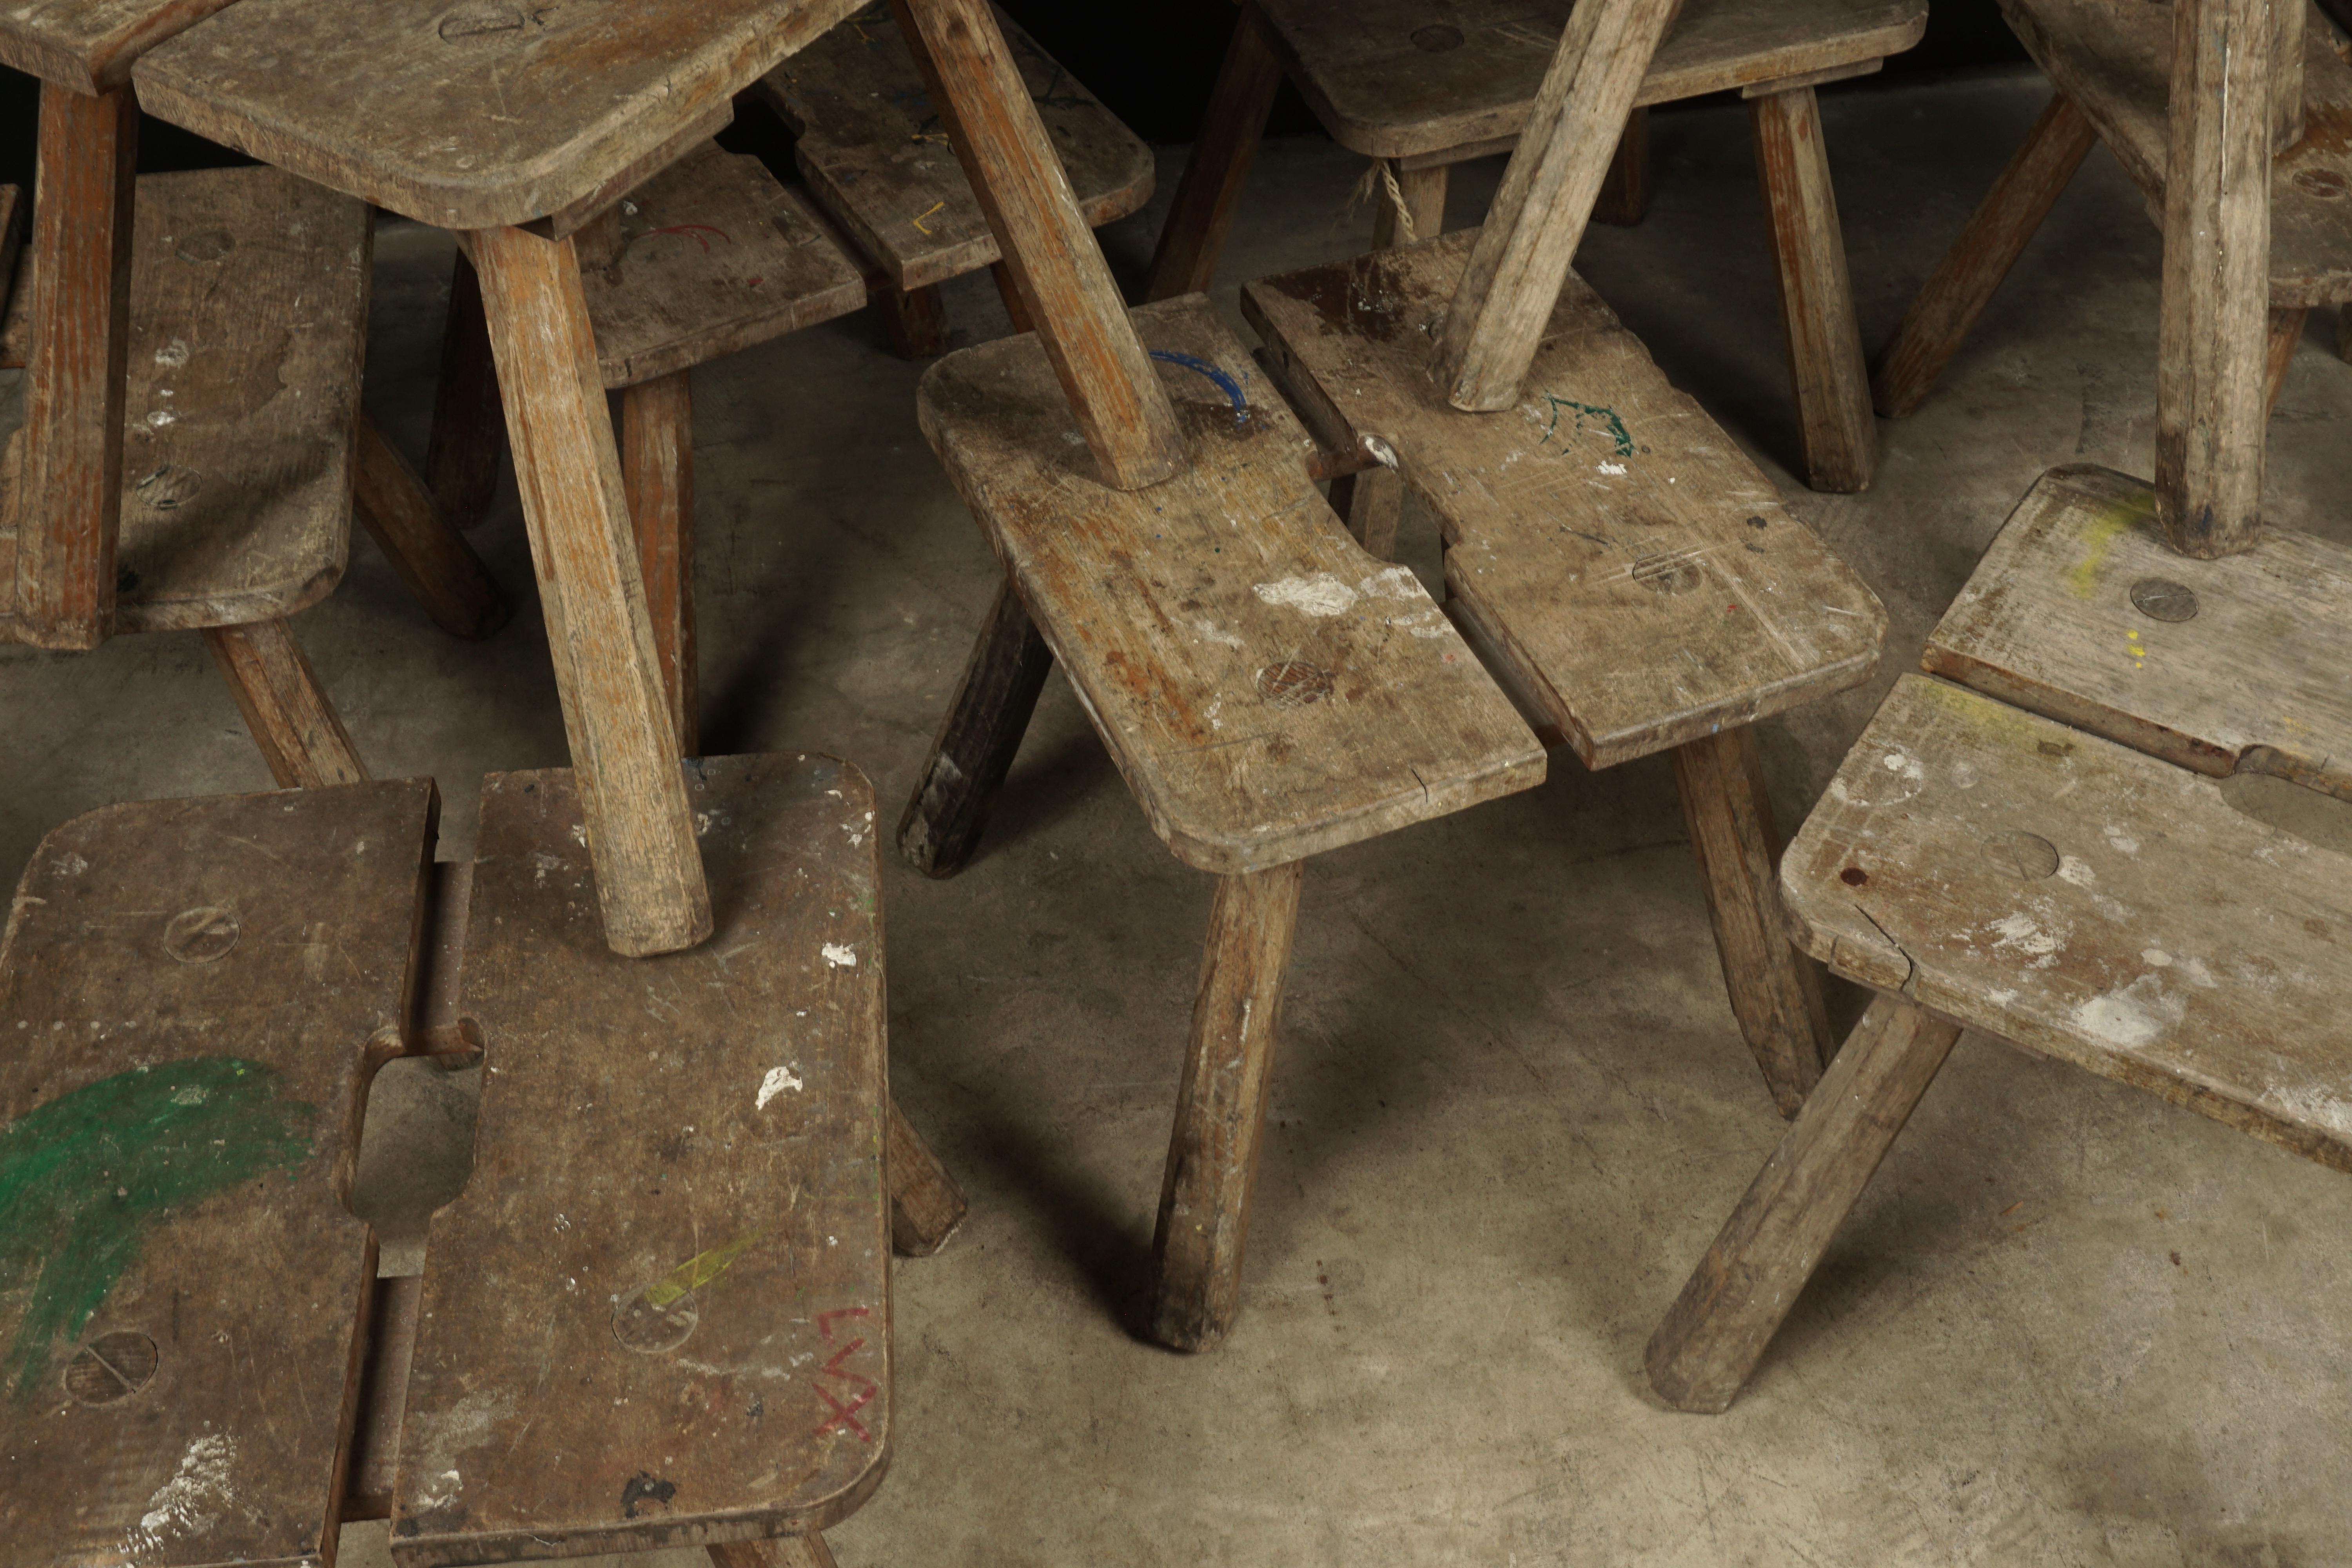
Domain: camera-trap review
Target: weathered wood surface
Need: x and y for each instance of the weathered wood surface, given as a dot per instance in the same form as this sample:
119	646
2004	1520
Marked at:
2114	58
926	1207
432	559
299	733
469	427
195	994
1396	77
1269	689
676	1197
1624	198
2079	610
658	466
14	206
249	320
712	255
1632	568
88	45
1208	192
876	151
785	1551
2088	902
382	1395
977	741
480	114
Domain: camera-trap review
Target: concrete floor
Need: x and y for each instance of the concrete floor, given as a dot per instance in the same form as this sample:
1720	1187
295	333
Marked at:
2067	1324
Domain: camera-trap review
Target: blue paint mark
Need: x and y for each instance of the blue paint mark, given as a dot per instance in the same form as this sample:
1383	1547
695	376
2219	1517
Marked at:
1225	383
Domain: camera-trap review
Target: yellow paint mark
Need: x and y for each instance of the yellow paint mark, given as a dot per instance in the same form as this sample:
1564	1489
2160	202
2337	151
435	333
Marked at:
2137	650
697	1271
2100	535
918	219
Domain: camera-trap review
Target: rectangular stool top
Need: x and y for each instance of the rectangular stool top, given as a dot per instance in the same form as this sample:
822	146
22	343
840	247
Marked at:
89	46
474	113
2088	902
1392	79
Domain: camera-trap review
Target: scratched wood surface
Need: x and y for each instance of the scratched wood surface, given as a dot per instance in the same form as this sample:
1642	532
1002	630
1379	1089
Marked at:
1632	569
676	1194
2088	902
194	993
1396	77
1268	688
248	321
88	45
474	113
2114	58
2080	611
713	256
876	152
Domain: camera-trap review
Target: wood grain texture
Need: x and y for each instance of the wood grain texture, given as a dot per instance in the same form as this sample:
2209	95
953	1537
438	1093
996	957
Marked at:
2278	355
470	426
1817	317
711	256
925	1209
916	324
301	735
1743	1289
677	1196
2090	903
1946	309
88	45
1393	79
1267	688
1213	1156
1208	192
658	466
878	155
785	1551
1629	566
942	824
247	962
1520	261
1624	198
969	72
2288	20
425	548
650	882
476	115
2052	620
1775	993
13	208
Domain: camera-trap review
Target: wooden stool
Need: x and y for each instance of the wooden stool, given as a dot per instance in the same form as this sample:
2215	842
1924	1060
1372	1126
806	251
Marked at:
1421	88
678	1198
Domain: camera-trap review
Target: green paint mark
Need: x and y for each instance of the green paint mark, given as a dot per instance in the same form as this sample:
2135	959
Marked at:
84	1178
1610	423
697	1271
2114	520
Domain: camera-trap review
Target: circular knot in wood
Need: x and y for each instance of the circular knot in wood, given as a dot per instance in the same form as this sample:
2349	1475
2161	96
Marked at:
111	1367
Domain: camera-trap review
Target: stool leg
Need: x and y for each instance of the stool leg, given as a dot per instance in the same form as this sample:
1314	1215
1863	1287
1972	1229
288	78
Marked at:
925	1209
658	469
1775	990
1743	1287
1424	203
76	376
469	430
1840	439
1211	187
649	882
1374	501
914	322
1204	1195
1956	293
1625	192
432	558
941	824
1016	308
782	1552
2286	333
284	706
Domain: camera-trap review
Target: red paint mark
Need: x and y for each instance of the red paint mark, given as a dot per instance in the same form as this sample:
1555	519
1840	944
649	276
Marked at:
825	1321
843	1416
755	283
695	231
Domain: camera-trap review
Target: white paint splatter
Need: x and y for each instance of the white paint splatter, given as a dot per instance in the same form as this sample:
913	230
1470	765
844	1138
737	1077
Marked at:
2122	841
2131	1016
1321	594
2198	975
1392	582
2156	958
840	957
162	417
1379	451
1611	468
2018	931
1215	633
190	1503
778	1080
72	865
173	355
2070	870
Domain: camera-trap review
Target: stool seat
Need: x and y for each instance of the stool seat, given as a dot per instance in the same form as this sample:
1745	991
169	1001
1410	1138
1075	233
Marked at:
1268	688
88	45
1404	79
1627	568
249	317
478	114
875	153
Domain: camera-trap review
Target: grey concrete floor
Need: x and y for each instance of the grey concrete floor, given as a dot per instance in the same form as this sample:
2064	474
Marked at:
2067	1324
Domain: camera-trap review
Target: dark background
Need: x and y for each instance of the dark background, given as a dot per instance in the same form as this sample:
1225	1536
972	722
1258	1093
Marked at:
1151	60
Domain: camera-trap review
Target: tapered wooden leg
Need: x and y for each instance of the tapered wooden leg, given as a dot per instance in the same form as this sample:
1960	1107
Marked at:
284	706
925	1207
1016	308
16	312
785	1551
1424	191
1743	1287
2287	332
649	882
1841	438
1776	992
470	431
916	322
75	376
432	557
1211	186
658	466
1956	293
2212	338
1625	194
941	827
1204	1195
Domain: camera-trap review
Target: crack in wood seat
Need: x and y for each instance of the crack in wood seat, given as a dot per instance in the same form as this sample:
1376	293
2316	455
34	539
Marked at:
194	994
1625	567
875	154
1269	689
2080	611
248	315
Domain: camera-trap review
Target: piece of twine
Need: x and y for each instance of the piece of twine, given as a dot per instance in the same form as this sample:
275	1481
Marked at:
1381	176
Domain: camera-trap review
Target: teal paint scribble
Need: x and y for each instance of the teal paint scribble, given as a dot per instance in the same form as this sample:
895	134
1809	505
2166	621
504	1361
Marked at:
1610	423
86	1176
